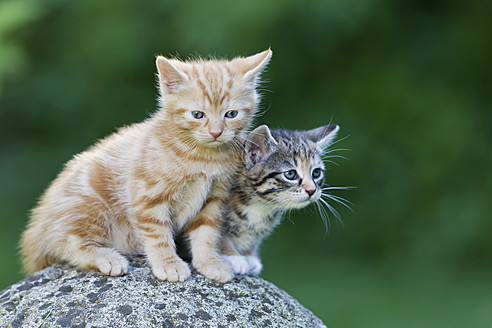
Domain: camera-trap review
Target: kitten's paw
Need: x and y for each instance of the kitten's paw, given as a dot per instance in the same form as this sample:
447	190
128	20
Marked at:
111	263
254	265
172	270
215	269
239	263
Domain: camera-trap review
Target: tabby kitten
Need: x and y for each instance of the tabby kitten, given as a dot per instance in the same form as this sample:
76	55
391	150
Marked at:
133	191
282	170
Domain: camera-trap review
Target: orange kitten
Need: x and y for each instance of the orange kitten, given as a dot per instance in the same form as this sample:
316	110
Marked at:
134	190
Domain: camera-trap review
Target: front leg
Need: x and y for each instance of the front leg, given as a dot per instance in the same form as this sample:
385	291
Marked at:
247	263
254	262
231	255
156	230
204	233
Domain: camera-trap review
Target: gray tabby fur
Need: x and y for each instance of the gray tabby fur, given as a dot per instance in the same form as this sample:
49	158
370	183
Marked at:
261	192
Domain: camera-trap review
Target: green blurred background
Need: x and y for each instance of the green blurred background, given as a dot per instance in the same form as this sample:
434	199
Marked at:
409	82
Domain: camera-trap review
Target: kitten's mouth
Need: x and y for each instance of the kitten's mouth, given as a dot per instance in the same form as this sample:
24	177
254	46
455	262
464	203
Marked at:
300	203
216	145
218	142
215	142
308	200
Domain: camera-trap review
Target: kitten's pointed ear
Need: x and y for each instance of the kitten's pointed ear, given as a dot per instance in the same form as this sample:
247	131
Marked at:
171	79
259	145
323	136
251	67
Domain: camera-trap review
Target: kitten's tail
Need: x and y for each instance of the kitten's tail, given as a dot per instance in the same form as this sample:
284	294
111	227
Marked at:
33	249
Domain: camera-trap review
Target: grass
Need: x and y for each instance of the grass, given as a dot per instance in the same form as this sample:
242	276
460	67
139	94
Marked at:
46	318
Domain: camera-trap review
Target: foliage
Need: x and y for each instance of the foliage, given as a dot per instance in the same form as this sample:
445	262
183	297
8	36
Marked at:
409	82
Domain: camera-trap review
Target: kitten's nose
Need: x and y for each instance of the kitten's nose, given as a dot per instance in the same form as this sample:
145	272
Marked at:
310	187
215	128
215	134
310	191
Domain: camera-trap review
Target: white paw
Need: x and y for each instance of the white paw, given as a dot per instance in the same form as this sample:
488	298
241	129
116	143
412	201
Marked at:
111	263
172	270
215	269
238	263
255	265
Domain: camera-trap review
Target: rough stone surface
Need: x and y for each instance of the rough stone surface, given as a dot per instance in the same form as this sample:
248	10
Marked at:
61	296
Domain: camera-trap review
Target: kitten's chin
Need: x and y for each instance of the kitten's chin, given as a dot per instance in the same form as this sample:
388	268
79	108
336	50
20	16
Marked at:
295	204
215	144
298	203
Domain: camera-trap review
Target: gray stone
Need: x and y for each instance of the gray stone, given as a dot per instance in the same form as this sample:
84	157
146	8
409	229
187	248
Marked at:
61	296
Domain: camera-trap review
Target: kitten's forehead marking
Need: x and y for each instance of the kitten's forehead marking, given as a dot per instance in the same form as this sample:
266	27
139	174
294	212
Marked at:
214	80
304	167
300	150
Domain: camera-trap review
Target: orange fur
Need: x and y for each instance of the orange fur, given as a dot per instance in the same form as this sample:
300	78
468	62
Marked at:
134	190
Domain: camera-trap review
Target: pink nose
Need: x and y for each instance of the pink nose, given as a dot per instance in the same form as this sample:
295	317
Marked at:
310	191
215	134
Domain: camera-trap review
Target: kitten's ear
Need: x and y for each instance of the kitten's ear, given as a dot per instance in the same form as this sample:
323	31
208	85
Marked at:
259	145
323	136
251	67
171	79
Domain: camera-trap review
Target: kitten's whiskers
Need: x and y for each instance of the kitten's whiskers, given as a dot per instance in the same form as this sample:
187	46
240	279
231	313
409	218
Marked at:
332	210
339	200
324	217
337	188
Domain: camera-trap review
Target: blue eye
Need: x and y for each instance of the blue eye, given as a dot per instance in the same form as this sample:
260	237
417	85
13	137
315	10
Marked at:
290	175
197	114
316	173
231	114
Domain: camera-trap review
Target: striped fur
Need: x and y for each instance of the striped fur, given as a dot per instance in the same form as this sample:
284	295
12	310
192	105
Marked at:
261	192
134	191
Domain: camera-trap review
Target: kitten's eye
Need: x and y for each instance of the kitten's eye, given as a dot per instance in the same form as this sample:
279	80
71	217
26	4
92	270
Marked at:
197	114
316	173
231	114
290	175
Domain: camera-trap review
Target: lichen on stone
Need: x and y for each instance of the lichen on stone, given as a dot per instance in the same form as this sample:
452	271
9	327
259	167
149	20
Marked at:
61	296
